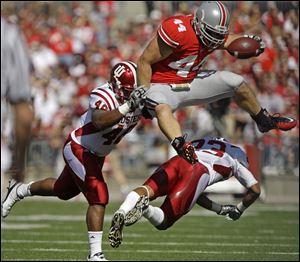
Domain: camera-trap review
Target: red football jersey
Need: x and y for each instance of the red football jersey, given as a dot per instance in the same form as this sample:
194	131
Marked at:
183	64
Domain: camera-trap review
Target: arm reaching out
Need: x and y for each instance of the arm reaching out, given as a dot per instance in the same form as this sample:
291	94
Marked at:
104	119
232	212
235	212
222	210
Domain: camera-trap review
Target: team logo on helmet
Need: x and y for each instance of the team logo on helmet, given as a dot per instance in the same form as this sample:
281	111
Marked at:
123	79
118	72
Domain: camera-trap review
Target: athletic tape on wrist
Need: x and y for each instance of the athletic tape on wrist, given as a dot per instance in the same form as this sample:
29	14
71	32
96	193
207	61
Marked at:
124	109
241	207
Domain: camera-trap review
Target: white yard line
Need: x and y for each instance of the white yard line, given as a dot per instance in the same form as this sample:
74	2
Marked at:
14	226
51	217
54	259
155	244
205	252
155	251
253	238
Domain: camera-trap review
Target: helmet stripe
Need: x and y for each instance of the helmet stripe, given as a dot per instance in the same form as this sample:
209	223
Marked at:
133	69
223	17
133	64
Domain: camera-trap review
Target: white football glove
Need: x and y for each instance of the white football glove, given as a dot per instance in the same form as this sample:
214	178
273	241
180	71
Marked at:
137	98
262	45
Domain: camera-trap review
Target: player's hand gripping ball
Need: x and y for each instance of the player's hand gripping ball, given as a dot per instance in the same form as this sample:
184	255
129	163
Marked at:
246	47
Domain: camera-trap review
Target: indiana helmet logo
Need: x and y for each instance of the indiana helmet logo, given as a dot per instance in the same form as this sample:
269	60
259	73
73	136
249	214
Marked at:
118	72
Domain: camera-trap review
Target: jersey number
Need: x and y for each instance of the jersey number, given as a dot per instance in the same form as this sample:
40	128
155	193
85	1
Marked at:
214	152
185	66
181	27
115	136
216	145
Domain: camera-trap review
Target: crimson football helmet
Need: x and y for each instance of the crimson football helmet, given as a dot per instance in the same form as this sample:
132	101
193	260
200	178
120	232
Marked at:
123	79
211	22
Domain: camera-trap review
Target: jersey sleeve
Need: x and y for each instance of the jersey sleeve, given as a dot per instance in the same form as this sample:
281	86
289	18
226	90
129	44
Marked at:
244	176
169	32
101	99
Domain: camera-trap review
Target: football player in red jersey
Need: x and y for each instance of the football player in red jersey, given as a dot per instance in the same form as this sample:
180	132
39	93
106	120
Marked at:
171	66
113	112
183	185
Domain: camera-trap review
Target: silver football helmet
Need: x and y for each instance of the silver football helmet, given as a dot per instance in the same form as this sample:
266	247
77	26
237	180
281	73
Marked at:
211	21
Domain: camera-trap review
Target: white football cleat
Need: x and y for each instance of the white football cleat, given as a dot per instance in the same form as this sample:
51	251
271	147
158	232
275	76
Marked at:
136	213
97	257
11	197
115	234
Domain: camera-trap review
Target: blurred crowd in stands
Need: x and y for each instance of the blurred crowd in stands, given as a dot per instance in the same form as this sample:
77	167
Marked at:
73	46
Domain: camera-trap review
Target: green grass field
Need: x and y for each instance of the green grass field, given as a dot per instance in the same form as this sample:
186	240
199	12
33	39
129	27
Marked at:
55	230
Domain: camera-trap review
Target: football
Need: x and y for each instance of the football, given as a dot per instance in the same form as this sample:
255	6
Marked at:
243	47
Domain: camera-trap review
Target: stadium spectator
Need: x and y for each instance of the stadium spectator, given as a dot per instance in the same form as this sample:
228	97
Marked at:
16	104
45	103
43	58
113	112
183	184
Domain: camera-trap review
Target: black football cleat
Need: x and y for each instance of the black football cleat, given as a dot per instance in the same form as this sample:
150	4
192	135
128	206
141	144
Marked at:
276	121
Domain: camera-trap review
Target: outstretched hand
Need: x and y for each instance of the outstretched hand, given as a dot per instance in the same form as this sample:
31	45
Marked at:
230	212
185	149
137	98
262	44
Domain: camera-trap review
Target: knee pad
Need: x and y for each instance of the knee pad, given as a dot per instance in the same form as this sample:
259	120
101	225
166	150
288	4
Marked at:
96	192
231	79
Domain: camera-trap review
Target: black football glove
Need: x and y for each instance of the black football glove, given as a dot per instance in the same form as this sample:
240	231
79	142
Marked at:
230	212
225	209
262	45
137	98
234	214
185	149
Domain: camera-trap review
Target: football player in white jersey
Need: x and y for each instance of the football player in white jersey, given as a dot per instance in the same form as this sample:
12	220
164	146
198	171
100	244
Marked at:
113	112
183	186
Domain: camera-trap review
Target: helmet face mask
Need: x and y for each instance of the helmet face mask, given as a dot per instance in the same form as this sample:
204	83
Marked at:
123	80
122	92
211	22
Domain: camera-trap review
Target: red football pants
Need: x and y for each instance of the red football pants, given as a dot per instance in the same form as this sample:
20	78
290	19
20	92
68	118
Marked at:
182	183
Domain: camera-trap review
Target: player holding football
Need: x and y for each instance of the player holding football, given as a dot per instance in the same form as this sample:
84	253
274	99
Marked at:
113	112
183	185
171	66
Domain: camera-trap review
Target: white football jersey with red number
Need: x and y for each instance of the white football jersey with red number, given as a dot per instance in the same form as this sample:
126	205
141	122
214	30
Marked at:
222	166
219	143
183	64
103	142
